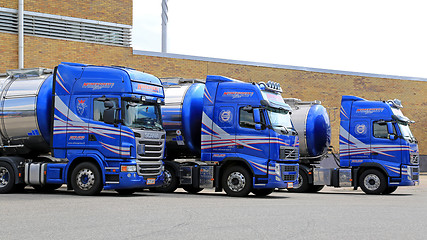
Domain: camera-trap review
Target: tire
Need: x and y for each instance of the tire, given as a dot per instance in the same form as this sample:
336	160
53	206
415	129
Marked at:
303	185
236	181
262	192
390	190
373	181
191	189
86	179
315	188
170	182
7	178
125	192
46	188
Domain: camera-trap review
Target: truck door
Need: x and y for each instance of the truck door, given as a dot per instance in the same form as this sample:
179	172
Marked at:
102	136
384	150
359	142
224	132
249	141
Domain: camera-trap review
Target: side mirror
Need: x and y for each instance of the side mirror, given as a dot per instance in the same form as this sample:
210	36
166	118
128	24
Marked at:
108	104
109	115
257	118
392	136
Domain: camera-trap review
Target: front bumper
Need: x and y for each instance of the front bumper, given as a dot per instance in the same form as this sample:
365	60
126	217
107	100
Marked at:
410	176
280	175
129	180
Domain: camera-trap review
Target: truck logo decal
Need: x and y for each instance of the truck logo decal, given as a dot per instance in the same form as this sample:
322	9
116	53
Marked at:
149	88
77	138
369	110
361	129
97	85
81	106
151	135
225	116
238	94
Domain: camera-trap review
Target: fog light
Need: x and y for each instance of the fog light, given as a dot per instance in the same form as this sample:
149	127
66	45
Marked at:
129	168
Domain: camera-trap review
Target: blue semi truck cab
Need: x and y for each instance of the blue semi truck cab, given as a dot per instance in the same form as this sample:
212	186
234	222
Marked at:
377	150
228	134
90	127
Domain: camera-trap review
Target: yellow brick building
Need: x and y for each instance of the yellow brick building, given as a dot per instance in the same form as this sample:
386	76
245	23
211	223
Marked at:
42	50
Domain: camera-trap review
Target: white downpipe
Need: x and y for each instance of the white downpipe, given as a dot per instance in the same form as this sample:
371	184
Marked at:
21	34
164	25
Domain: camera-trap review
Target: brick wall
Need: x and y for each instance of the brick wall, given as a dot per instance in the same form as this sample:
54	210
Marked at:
116	11
326	87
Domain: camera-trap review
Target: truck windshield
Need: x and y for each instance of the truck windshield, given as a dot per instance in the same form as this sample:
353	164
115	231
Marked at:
406	132
142	116
280	120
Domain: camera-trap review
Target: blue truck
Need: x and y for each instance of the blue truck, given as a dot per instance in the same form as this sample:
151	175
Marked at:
229	135
377	150
90	127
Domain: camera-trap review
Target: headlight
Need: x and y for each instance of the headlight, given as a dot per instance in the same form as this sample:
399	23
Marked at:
277	169
129	168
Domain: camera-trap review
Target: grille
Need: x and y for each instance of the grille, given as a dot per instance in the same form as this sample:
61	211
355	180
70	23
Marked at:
286	177
289	168
153	150
415	177
149	168
414	170
288	153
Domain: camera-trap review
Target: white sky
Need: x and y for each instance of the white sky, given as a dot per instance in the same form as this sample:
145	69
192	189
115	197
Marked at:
370	36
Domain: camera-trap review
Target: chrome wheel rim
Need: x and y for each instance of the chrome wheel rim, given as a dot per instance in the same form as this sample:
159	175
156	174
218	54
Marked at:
236	181
372	182
167	178
4	177
85	179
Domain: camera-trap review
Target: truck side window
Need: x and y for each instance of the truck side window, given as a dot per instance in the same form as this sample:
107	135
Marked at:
246	118
380	130
98	108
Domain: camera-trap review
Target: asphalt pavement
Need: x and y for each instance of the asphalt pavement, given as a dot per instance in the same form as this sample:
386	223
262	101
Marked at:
330	214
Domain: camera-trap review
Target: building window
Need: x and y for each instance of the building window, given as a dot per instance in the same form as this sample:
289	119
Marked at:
67	28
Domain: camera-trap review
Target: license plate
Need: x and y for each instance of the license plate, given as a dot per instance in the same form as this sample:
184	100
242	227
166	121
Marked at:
290	185
151	181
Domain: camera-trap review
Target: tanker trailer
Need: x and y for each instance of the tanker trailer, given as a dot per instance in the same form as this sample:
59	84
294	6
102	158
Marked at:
377	151
64	127
228	134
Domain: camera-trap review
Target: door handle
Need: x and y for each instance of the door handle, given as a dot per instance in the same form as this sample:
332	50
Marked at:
240	146
374	153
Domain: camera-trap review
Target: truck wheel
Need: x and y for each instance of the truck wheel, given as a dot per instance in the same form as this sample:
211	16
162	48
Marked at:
390	190
236	181
86	179
262	192
303	185
170	182
373	181
7	178
125	192
315	188
191	189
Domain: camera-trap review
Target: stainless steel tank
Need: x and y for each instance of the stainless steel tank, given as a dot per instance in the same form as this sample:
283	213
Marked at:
182	117
311	121
25	96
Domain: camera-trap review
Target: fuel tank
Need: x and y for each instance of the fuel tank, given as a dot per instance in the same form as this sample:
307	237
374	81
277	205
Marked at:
182	117
25	111
311	121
